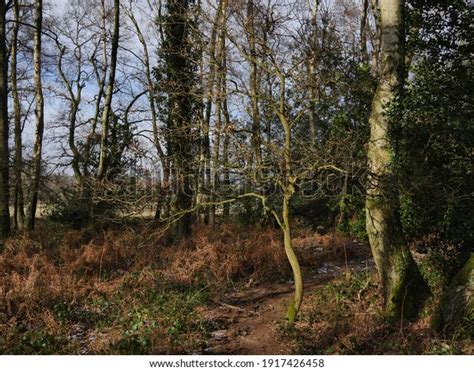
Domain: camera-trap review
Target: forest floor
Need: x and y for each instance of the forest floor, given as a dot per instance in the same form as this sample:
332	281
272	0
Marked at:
225	291
251	320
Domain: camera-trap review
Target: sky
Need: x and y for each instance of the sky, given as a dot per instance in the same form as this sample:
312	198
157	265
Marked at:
130	52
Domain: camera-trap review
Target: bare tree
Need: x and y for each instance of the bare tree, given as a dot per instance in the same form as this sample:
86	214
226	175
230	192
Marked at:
39	116
4	153
293	159
214	92
106	114
161	209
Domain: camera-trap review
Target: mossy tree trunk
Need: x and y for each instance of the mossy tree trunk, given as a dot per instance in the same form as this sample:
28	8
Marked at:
177	51
457	304
403	286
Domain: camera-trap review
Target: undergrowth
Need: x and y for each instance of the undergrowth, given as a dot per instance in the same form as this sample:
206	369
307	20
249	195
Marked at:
344	317
129	292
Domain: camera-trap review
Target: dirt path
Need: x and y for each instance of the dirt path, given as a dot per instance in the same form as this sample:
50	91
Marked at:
250	319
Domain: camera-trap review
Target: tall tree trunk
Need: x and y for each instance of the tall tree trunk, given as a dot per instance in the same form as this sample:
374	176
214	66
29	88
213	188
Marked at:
215	95
254	87
288	183
18	202
289	190
363	32
215	160
180	72
312	64
104	148
377	39
210	99
402	284
4	191
39	116
227	123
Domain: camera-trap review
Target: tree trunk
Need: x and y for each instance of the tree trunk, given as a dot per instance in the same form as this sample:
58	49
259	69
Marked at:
289	190
216	59
211	98
254	88
101	172
295	304
377	39
4	191
403	287
180	106
363	32
39	116
311	64
227	126
18	201
457	303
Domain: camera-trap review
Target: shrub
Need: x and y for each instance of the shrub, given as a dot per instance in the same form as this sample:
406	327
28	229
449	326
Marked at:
70	209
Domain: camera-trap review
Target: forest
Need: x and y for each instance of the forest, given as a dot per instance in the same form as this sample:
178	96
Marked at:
236	177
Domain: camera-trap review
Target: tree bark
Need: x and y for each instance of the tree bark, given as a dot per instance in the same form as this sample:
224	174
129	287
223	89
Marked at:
377	39
39	116
4	191
403	287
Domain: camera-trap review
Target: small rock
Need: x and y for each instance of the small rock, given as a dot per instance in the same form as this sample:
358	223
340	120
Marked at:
219	334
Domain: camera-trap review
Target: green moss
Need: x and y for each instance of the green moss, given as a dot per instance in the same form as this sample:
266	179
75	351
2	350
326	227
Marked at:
465	274
291	314
408	289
